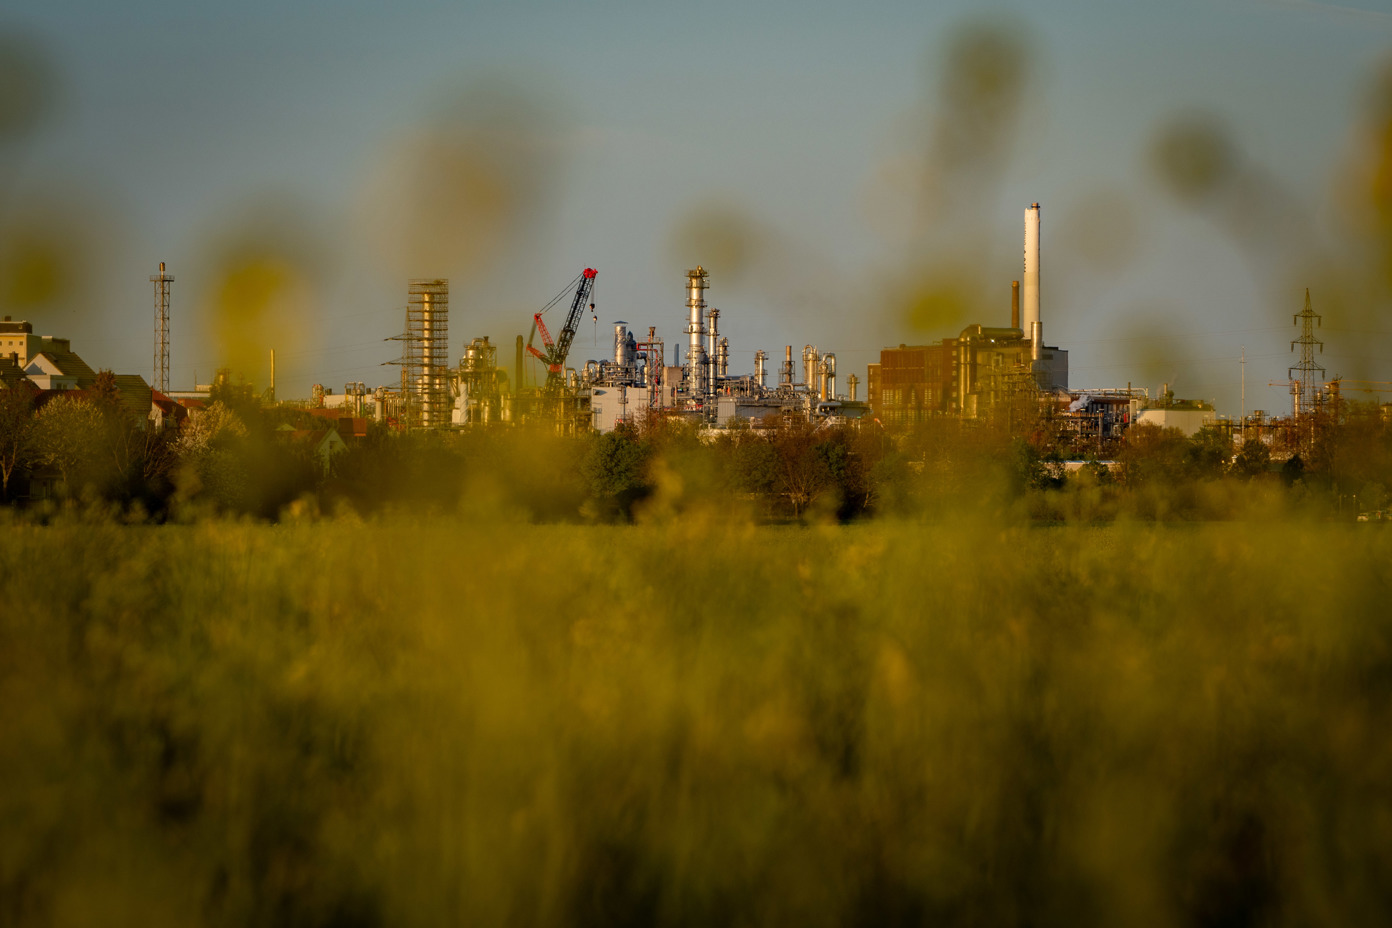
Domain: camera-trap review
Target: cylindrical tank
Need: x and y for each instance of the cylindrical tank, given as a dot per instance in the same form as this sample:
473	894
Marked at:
785	376
722	357
809	367
1030	291
759	358
621	357
829	376
852	382
479	356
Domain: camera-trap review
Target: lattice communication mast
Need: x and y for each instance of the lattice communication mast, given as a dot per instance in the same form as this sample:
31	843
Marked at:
427	351
1306	377
161	282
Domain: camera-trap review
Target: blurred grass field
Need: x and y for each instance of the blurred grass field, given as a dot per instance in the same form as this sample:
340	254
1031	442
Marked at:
692	721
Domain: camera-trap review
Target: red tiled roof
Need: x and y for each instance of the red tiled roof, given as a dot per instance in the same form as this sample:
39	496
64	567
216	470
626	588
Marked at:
347	426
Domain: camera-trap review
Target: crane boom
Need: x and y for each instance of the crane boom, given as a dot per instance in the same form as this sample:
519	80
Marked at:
577	308
555	355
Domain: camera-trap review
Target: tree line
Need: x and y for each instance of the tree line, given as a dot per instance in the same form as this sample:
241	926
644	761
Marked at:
237	457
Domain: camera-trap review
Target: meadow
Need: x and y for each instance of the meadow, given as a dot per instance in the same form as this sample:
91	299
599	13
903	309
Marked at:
695	719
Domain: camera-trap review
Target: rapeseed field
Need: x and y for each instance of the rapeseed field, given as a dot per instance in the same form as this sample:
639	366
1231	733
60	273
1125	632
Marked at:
440	720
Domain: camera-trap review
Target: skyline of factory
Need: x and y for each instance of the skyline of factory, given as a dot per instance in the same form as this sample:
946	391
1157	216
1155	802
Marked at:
986	367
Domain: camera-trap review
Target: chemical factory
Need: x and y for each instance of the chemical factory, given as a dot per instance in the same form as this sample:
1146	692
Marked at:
982	370
635	382
988	372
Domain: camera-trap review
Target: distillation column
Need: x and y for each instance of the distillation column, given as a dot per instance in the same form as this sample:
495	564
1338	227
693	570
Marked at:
695	330
809	368
427	349
713	351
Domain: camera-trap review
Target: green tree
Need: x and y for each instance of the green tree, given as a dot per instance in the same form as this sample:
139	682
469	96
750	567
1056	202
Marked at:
1252	460
1153	455
1361	449
850	456
1293	470
615	469
122	440
1208	453
802	473
66	438
1027	471
752	463
239	398
108	395
16	427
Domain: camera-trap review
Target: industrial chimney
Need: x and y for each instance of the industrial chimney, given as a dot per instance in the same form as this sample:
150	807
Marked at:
1030	319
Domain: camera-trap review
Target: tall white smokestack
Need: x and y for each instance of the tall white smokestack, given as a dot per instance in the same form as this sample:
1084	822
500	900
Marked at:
1029	316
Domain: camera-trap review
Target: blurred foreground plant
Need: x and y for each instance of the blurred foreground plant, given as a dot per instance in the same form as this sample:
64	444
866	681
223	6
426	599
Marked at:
416	720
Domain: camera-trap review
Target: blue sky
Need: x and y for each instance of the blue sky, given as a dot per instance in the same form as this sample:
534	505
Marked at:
785	146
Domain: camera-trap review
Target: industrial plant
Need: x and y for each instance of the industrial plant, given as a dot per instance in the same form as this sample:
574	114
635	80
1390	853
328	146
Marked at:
990	372
636	382
986	369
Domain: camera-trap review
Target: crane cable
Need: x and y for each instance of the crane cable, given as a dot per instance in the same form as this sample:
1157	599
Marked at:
568	291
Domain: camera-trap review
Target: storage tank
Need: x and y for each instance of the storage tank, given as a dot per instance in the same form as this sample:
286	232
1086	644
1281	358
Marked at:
624	348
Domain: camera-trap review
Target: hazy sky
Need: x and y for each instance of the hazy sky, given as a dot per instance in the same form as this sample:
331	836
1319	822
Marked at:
305	159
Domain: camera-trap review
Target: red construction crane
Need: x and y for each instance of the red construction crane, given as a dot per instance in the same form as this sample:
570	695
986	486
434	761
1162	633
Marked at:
554	357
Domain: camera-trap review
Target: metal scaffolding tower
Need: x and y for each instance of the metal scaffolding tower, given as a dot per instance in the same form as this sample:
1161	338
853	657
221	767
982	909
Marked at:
1306	377
427	351
161	282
